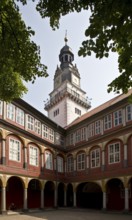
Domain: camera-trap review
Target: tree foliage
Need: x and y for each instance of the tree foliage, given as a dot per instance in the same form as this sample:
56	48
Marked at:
110	29
19	56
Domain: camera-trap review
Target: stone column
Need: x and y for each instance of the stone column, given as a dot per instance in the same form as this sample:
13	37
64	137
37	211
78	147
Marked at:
74	199
75	166
42	198
25	208
104	200
65	170
103	160
25	157
42	161
55	197
87	161
125	155
126	200
65	203
55	163
3	151
3	200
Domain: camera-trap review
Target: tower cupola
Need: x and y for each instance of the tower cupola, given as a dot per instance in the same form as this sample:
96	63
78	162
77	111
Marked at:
66	57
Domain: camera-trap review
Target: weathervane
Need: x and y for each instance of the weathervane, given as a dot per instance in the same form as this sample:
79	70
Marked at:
66	39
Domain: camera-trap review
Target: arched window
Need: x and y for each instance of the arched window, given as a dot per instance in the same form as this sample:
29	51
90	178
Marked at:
114	152
60	162
81	161
70	163
33	155
48	160
95	158
14	150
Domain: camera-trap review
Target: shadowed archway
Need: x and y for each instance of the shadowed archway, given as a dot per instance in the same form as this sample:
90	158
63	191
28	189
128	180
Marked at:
69	195
115	194
14	193
34	194
89	195
49	194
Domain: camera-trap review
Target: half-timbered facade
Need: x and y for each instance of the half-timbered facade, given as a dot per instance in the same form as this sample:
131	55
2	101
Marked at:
86	164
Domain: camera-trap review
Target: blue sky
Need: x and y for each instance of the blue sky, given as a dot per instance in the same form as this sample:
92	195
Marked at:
95	74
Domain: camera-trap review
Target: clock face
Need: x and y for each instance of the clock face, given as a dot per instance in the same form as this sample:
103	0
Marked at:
75	80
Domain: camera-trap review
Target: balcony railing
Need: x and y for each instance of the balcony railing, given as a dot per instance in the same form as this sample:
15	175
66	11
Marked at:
72	94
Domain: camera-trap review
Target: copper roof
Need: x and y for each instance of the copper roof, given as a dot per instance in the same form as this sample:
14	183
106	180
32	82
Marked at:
100	108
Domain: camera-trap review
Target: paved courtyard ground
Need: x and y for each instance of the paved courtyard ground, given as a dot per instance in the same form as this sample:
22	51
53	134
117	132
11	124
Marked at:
67	214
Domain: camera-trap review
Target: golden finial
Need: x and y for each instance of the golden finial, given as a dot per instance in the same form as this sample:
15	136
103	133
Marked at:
66	39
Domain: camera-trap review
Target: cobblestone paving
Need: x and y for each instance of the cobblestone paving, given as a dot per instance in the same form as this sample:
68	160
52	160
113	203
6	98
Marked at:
67	214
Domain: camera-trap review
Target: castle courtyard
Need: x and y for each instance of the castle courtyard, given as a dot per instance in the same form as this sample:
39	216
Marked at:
68	214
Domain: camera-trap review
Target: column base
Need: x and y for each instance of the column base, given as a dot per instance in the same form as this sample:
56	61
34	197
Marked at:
3	212
126	211
55	207
42	208
25	210
104	209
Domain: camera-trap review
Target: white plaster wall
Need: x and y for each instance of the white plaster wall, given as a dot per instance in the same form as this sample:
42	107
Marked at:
66	112
71	115
61	118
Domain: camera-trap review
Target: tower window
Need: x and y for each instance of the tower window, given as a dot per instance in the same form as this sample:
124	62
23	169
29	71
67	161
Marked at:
77	111
66	58
56	112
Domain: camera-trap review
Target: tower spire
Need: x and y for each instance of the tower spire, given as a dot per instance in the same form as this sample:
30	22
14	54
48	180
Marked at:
66	39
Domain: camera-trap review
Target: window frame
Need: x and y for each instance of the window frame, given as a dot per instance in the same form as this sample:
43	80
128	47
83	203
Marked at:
10	111
129	113
48	160
83	133
70	164
71	138
91	131
45	131
51	134
81	161
37	127
77	111
97	127
30	123
20	116
78	136
33	159
12	150
118	117
56	112
113	153
95	158
108	122
60	164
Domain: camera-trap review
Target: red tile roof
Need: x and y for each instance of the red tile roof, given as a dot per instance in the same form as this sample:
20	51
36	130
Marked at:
100	108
